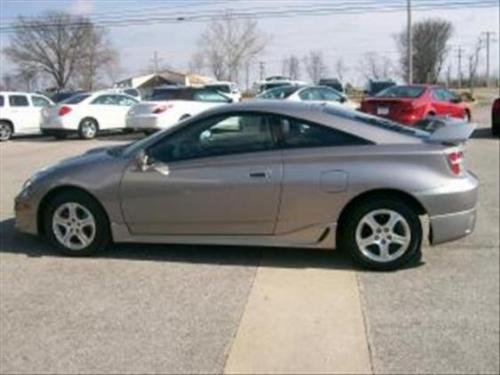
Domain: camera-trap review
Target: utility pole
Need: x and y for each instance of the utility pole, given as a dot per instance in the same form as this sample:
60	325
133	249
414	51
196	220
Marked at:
247	75
488	35
459	50
262	70
409	37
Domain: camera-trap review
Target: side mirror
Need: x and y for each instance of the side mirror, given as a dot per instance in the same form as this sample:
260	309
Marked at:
142	160
343	99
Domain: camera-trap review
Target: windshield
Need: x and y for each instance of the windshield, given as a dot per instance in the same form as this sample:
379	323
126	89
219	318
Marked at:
376	121
221	88
401	92
75	99
278	92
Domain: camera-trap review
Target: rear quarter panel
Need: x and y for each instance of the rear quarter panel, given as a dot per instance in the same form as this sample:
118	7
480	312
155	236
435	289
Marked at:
310	198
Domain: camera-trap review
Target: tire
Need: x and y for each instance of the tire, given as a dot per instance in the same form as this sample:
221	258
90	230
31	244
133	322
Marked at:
467	117
88	128
369	222
6	131
76	224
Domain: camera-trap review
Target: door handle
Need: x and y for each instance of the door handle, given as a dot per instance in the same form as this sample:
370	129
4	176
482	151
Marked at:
259	174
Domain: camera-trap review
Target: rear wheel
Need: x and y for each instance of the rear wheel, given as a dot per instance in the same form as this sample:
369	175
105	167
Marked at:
76	224
382	233
5	131
88	128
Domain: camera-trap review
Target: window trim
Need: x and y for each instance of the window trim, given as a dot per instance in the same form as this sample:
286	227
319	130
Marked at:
275	131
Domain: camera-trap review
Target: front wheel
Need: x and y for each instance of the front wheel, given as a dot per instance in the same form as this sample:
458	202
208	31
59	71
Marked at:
382	233
76	224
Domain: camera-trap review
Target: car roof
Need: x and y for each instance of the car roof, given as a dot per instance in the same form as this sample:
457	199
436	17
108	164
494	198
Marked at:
350	121
20	93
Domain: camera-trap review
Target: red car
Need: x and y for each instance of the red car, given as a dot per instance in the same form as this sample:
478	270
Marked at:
412	103
495	118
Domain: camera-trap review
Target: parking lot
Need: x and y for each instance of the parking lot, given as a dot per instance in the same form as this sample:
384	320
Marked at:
206	309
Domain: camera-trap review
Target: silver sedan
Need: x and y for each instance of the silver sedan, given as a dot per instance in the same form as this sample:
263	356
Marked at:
263	174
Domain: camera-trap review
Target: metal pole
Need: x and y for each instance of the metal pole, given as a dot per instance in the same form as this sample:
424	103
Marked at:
409	42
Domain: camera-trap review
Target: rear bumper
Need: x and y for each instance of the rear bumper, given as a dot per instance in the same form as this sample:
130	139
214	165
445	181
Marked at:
143	123
451	209
450	227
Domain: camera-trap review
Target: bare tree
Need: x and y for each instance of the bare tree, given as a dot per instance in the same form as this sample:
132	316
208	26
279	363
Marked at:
315	65
374	66
291	67
474	62
228	43
58	44
430	47
197	63
97	57
340	69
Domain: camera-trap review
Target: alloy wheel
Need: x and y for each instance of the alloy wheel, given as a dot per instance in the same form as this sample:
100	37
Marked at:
74	226
89	129
5	132
383	235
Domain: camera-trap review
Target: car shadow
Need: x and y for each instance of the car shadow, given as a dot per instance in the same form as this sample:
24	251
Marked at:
12	241
483	133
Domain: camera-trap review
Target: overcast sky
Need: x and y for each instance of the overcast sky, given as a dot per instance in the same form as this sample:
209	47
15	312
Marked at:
338	35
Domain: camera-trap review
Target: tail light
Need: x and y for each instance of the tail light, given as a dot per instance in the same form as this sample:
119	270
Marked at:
64	110
455	161
161	108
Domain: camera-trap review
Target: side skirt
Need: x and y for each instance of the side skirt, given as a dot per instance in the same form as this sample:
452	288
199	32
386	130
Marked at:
320	236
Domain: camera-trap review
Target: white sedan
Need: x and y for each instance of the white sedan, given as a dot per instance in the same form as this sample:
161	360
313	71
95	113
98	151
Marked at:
20	113
87	114
309	93
169	105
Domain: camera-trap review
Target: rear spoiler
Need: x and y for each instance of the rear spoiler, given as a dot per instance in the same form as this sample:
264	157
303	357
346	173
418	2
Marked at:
446	130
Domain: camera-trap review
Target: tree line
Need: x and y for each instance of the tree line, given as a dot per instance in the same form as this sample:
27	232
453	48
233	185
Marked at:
64	50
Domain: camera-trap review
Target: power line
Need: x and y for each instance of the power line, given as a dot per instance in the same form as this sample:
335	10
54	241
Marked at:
287	13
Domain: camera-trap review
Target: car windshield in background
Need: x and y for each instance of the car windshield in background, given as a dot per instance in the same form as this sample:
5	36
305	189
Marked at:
164	94
278	92
221	88
401	92
75	99
376	121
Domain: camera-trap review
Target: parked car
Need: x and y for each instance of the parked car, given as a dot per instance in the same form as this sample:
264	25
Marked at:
169	105
63	95
87	114
374	87
20	113
229	89
268	84
263	173
409	104
128	91
309	93
333	83
495	117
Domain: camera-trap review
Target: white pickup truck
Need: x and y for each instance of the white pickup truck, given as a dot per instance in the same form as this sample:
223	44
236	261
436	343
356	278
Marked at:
21	113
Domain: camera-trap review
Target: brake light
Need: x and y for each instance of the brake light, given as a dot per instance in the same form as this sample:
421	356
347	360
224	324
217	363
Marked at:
455	160
161	108
64	110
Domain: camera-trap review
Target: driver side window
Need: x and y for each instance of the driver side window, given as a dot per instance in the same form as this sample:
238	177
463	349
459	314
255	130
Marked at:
230	134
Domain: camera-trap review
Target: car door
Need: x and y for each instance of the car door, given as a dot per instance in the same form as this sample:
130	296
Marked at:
104	108
441	102
23	114
216	176
317	162
39	102
123	104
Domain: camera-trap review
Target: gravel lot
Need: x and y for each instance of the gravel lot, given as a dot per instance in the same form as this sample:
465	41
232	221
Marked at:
176	309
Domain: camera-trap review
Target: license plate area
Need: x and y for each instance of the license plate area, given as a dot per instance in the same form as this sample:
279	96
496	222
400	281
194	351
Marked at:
382	111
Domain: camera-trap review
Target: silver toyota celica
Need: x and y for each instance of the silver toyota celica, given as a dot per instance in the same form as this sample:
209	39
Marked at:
264	174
